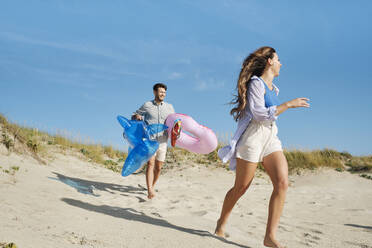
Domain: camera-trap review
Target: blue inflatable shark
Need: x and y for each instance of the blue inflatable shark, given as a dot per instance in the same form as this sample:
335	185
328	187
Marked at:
141	146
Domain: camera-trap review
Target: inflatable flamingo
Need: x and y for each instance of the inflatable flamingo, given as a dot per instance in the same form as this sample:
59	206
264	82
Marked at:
203	140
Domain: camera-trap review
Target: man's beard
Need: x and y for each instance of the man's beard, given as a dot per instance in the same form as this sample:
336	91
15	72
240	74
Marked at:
158	99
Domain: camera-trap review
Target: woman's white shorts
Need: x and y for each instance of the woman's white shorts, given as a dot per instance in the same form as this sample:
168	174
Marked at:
258	140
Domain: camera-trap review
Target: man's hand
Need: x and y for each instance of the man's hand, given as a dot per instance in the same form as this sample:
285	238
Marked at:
137	117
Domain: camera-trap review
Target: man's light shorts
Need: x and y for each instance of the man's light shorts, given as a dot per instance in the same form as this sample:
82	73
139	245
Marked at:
259	140
161	152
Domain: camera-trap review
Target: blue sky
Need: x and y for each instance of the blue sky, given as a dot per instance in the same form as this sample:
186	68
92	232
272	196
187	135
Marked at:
76	65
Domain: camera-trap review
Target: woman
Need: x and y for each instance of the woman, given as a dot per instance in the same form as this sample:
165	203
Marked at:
257	108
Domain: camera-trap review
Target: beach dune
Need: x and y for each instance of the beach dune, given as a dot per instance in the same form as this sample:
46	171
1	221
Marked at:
72	203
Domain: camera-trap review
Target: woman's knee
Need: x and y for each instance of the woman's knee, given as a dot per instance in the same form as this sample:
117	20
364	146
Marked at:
239	190
281	184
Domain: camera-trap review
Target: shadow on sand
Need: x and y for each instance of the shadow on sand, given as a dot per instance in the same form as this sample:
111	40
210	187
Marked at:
359	226
134	215
88	187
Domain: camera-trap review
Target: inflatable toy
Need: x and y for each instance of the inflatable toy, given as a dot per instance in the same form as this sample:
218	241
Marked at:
176	131
202	139
141	147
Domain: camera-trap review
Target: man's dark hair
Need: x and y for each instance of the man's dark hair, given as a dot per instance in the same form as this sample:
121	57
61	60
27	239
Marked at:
159	85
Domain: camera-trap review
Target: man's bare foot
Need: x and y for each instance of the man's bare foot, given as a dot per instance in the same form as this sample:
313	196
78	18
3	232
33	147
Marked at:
272	242
220	232
150	194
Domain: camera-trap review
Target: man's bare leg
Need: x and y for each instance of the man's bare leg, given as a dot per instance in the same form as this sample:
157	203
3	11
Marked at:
157	169
150	177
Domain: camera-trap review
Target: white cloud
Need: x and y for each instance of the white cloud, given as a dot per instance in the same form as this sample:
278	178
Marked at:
203	84
208	84
82	48
174	75
110	70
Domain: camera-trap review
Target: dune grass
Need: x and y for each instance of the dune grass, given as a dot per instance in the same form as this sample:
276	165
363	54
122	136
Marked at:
360	164
16	138
8	245
297	160
11	171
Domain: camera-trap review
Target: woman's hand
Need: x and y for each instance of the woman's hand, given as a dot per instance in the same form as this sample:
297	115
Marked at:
299	102
295	103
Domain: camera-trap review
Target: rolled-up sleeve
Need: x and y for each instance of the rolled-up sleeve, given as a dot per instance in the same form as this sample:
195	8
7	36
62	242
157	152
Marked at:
256	100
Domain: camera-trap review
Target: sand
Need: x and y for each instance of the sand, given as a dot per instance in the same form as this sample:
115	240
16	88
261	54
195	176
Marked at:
72	203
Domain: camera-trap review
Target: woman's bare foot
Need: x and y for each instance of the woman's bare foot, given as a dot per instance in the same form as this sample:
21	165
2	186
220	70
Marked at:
220	230
272	242
150	194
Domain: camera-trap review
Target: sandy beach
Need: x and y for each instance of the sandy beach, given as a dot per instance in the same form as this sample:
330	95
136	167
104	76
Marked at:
72	203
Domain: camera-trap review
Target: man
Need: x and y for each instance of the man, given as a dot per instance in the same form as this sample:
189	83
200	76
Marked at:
155	112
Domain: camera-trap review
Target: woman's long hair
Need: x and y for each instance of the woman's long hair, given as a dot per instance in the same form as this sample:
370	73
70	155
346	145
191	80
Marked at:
254	64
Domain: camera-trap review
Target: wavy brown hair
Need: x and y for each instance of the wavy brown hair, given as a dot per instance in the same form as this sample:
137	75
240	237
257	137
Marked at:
254	64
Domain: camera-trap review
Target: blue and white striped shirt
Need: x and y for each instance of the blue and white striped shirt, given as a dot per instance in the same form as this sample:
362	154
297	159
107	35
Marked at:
154	113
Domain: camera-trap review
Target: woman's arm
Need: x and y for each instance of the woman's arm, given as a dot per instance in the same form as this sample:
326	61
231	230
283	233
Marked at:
256	99
256	102
295	103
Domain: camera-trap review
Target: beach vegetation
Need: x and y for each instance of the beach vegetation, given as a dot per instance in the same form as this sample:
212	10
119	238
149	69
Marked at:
38	142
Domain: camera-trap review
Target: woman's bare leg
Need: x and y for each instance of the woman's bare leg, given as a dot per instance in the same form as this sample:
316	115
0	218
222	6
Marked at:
276	167
244	175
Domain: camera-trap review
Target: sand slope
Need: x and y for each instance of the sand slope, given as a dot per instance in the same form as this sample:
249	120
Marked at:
71	203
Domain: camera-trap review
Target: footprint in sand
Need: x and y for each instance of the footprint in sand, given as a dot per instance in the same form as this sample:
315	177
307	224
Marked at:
140	199
311	238
316	231
75	238
305	243
200	213
361	245
312	241
284	228
319	224
141	187
157	215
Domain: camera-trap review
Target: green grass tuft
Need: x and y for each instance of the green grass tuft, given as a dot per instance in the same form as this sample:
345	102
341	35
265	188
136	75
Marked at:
366	176
360	164
7	141
8	245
